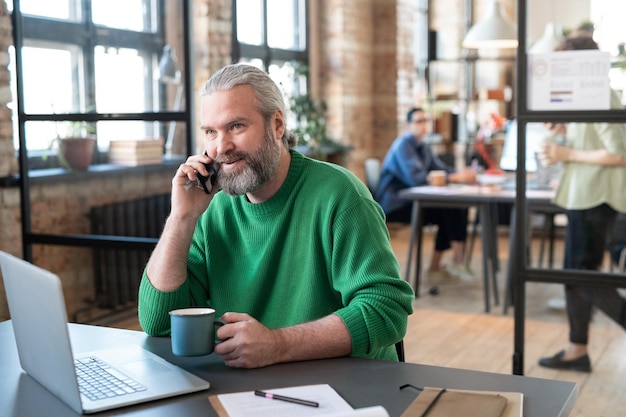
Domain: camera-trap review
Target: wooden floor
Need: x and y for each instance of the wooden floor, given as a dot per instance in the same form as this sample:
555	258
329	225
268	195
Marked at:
451	329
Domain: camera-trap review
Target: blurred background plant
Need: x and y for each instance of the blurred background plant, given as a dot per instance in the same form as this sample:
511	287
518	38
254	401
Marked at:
75	142
310	121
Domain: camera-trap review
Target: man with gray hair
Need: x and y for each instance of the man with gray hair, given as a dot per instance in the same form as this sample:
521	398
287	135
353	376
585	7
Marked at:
292	253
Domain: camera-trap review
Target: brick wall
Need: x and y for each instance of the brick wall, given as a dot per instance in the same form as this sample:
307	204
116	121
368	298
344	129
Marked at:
8	162
367	73
211	39
63	208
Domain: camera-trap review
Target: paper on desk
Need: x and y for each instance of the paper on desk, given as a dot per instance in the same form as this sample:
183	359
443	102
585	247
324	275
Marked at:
246	404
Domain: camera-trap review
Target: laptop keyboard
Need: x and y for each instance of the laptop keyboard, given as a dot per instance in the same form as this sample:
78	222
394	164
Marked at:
97	380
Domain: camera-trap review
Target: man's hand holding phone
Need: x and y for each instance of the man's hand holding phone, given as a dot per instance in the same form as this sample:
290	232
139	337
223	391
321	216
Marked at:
194	185
207	182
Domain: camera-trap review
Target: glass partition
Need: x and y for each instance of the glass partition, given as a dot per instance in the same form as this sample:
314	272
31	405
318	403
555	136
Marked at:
601	74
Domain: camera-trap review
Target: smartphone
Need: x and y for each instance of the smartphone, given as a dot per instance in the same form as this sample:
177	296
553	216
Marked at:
208	182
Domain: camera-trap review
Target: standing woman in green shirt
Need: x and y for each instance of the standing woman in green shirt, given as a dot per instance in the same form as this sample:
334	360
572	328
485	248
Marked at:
592	189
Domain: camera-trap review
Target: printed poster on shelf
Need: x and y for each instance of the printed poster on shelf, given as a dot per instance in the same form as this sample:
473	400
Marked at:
569	80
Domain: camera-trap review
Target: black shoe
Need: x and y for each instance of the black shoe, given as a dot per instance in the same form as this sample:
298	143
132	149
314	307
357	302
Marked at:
582	364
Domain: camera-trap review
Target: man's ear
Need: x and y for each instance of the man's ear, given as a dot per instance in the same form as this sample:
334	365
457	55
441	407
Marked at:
278	124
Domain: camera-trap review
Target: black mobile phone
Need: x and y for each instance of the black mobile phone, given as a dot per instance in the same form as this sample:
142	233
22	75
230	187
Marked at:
208	182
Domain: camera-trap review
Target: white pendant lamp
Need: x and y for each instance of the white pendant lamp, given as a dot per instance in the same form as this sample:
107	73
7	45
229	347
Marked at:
551	37
494	31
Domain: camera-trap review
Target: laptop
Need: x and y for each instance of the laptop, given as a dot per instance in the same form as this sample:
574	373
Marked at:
543	175
535	134
39	318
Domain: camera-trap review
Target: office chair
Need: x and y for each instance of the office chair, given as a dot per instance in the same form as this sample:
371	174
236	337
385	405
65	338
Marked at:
372	177
400	350
372	173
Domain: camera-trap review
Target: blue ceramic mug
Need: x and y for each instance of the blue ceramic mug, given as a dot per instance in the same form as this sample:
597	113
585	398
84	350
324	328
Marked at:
193	331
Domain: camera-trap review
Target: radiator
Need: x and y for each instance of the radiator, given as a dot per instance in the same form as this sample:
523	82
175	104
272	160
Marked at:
117	272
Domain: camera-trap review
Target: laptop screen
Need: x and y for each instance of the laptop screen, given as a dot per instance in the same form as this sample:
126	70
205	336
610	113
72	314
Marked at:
535	133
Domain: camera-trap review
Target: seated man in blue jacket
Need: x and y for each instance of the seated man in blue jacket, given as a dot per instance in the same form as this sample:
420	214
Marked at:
408	164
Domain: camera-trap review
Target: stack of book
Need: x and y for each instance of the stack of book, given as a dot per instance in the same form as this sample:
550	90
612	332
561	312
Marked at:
136	152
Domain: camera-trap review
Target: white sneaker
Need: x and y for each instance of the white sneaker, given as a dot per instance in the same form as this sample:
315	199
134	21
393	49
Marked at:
460	271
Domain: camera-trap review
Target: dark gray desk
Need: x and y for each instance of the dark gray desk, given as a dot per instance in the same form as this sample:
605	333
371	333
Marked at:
361	382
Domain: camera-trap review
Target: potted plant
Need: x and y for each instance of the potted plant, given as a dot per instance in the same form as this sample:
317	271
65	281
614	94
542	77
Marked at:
76	146
311	127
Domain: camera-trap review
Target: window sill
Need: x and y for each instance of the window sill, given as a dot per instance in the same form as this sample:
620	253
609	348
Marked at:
52	175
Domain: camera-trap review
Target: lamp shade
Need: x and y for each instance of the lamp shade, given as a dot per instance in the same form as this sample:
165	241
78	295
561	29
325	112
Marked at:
551	37
494	31
168	70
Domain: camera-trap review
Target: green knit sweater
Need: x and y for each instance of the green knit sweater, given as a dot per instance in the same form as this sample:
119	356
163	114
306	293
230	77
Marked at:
318	246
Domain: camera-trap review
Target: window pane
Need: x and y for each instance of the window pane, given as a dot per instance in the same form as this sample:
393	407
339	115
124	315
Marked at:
56	9
40	135
291	82
283	74
250	22
131	129
286	25
135	16
120	73
252	61
54	90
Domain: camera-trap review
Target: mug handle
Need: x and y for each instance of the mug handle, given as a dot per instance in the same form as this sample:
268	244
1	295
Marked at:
218	323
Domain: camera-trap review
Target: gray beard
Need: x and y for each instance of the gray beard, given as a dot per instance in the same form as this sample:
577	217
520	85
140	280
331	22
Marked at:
259	167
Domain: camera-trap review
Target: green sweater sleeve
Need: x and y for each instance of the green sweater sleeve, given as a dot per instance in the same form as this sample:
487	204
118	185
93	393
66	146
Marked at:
154	305
377	301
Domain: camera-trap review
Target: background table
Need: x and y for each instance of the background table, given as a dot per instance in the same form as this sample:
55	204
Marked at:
451	197
362	382
484	198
